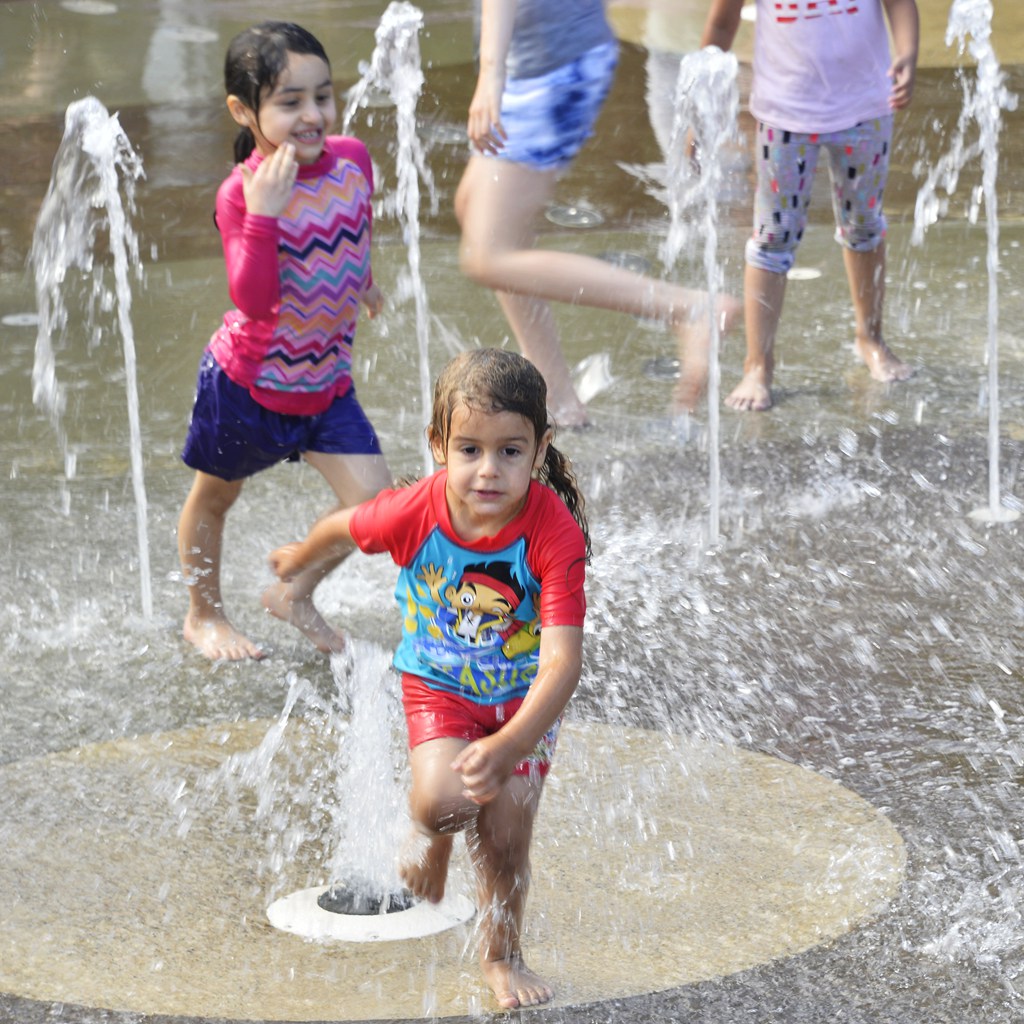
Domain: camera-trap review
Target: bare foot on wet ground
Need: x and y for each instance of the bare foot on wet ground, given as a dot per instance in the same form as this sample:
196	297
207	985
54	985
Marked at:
218	640
514	984
752	394
882	363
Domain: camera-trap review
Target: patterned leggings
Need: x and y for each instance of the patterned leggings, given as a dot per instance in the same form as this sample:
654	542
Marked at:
858	164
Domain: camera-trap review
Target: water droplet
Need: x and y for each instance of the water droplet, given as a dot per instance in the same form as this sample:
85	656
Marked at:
627	260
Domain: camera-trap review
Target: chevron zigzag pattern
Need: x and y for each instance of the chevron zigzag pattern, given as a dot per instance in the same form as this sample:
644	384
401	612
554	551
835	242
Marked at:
324	259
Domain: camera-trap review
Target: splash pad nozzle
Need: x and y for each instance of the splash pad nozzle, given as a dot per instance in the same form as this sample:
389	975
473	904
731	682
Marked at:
344	914
356	899
363	899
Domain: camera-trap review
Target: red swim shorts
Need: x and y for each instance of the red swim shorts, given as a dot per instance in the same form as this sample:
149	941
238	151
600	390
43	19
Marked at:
432	714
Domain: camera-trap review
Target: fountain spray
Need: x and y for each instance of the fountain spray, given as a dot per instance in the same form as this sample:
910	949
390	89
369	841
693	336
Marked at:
94	163
706	104
395	71
970	22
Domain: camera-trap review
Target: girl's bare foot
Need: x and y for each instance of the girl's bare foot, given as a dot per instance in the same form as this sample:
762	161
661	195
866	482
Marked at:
752	394
514	984
882	364
424	865
218	640
303	615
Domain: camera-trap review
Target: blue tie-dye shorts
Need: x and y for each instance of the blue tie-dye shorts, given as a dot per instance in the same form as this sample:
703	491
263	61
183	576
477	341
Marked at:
548	118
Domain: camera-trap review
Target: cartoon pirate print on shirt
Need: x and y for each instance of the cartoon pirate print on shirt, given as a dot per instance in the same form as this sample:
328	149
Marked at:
483	627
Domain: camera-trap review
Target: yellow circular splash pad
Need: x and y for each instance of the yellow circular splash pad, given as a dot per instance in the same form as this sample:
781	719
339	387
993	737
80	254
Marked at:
658	862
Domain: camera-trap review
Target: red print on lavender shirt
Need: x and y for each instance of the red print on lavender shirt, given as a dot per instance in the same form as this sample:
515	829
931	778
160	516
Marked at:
797	10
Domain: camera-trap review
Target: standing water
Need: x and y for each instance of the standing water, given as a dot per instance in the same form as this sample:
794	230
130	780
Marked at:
94	163
970	22
394	70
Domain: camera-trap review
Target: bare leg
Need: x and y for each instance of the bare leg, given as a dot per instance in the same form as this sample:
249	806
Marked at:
424	865
497	204
866	274
498	837
200	540
533	325
438	810
693	340
531	319
499	844
764	291
353	478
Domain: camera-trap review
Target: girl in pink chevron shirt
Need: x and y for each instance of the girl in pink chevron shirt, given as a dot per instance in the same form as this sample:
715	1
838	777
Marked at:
824	83
275	380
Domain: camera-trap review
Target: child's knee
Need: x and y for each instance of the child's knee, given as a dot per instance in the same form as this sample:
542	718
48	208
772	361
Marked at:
778	258
475	262
437	816
212	498
863	237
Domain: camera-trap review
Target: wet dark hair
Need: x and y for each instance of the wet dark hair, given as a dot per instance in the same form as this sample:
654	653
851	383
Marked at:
495	380
254	62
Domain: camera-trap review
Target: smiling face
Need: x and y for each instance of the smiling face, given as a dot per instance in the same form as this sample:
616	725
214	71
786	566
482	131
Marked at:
490	458
299	109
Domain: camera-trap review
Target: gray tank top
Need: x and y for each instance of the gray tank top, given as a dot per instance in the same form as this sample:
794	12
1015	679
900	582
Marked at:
549	33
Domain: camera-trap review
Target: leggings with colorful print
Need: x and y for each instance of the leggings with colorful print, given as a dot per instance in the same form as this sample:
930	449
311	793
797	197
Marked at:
858	164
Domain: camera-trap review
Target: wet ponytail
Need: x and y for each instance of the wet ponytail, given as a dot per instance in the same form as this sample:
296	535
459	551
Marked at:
557	474
245	143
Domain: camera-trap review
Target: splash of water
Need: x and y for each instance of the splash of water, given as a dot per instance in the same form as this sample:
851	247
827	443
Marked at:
327	778
369	813
94	165
706	104
970	23
395	70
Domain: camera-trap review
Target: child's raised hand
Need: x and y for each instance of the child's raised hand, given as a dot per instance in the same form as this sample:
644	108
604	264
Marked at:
268	188
287	561
373	300
485	766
